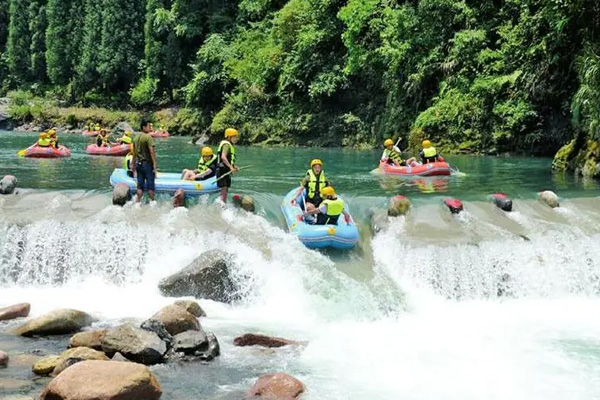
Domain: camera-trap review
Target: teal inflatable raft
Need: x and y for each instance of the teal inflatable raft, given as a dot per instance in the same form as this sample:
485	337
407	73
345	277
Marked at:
343	235
168	183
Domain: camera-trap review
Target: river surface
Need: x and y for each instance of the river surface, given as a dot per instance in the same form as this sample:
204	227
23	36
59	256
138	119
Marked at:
483	305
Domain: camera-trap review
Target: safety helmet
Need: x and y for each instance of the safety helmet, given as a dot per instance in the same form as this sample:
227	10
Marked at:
426	144
328	191
388	142
207	151
230	132
316	161
128	133
43	135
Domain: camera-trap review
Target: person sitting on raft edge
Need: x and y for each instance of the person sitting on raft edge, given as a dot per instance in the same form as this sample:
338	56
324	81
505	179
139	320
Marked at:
207	166
53	138
314	182
102	138
330	209
429	154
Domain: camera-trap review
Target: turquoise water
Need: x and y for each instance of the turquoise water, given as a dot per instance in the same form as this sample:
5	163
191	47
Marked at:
276	171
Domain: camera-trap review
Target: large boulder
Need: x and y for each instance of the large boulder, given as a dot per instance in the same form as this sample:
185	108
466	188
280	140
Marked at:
176	319
15	311
103	380
3	359
206	277
56	322
192	307
120	129
399	205
121	194
48	364
135	344
8	184
195	345
91	339
550	198
251	339
277	387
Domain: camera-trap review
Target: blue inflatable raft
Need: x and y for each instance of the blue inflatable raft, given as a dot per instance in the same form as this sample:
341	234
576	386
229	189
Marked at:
340	236
168	183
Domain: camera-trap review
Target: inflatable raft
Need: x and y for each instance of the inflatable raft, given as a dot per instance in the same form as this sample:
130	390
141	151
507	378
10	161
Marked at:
89	133
168	183
159	134
431	169
115	150
340	236
36	151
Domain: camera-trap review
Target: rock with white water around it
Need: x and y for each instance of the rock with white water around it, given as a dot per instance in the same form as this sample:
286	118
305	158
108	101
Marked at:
550	198
56	322
103	380
135	344
192	307
399	205
3	359
20	310
178	199
8	184
246	203
159	328
277	387
121	194
207	277
251	339
120	129
195	346
176	319
190	341
91	339
48	364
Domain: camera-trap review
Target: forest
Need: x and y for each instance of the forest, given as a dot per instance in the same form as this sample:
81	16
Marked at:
485	76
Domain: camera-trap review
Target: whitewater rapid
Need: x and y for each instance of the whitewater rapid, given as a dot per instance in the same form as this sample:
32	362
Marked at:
485	305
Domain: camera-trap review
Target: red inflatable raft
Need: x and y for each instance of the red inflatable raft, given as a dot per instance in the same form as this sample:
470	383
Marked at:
431	169
89	133
36	151
115	150
159	134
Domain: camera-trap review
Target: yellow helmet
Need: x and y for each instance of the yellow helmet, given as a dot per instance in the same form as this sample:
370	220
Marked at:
230	132
207	151
388	142
426	144
328	191
43	135
128	133
316	161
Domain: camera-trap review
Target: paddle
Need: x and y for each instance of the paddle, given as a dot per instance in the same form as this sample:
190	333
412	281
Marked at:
231	172
21	153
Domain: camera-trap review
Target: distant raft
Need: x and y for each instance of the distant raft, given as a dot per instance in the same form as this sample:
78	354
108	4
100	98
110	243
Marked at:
159	134
340	236
115	150
89	133
36	151
430	169
167	183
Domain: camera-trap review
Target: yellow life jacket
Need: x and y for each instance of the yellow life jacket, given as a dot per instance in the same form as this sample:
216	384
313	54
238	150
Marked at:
203	165
125	139
43	142
429	152
97	127
127	162
334	209
315	184
231	155
393	155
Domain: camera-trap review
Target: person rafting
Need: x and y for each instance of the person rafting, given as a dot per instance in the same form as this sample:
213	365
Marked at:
314	182
44	140
144	161
227	164
392	154
126	138
330	209
207	166
429	154
127	163
97	127
102	138
53	138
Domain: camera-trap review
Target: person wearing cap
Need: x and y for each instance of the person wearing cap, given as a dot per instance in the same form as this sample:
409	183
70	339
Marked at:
330	209
429	154
227	162
313	183
207	167
392	154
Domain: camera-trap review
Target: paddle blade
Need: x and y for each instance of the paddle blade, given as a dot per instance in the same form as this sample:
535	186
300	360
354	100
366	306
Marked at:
21	153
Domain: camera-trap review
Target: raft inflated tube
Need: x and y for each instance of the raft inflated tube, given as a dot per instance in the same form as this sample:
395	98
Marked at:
430	169
159	134
167	183
343	235
502	202
454	205
36	151
117	150
89	133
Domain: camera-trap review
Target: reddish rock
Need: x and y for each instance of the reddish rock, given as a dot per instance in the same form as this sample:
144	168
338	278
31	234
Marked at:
91	339
103	380
251	339
278	386
16	311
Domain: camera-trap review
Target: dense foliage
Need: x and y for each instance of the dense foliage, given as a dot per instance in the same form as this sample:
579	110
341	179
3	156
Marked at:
474	76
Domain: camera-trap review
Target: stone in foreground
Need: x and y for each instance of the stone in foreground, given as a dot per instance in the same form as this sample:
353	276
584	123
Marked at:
135	344
176	319
277	387
56	322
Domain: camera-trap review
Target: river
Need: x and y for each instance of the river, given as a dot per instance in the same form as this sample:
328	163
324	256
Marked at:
483	305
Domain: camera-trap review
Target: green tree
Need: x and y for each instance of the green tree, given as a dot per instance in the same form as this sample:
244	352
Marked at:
37	29
19	41
63	39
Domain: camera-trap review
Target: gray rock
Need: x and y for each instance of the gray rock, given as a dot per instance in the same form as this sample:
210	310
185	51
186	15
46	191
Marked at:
159	328
205	352
120	128
136	344
55	323
8	184
190	341
15	311
206	277
176	319
550	198
121	194
119	357
3	359
192	307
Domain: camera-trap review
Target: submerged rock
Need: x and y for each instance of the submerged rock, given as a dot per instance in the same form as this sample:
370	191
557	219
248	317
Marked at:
136	344
104	380
46	365
121	194
91	339
159	328
550	198
206	277
178	199
15	311
246	203
176	319
277	387
3	359
192	307
56	322
8	184
251	339
399	205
